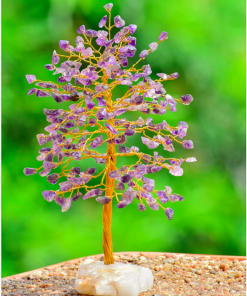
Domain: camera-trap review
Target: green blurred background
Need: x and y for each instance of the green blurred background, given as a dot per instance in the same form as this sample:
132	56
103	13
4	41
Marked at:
206	46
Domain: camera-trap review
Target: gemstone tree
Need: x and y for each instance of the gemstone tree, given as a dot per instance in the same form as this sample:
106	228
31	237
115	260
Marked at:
91	70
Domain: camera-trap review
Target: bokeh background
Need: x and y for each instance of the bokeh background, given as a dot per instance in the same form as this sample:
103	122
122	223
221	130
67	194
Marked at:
206	46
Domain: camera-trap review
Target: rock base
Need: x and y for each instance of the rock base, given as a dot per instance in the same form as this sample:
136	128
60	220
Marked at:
118	279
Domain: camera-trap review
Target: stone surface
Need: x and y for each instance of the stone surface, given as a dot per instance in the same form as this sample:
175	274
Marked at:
182	274
118	279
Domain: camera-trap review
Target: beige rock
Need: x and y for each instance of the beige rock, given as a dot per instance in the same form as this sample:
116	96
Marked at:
118	279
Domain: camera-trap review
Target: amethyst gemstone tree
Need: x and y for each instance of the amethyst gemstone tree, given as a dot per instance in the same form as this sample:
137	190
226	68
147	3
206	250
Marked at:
89	72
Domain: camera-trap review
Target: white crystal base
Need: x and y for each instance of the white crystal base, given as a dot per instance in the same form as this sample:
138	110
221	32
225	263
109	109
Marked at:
118	279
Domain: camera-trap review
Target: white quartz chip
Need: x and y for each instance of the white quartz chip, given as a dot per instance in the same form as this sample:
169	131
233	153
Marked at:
118	279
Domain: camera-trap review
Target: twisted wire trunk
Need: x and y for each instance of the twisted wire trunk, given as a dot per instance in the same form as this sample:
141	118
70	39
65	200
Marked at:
107	209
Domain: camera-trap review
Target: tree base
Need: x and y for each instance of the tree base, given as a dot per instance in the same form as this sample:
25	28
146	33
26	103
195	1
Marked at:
119	279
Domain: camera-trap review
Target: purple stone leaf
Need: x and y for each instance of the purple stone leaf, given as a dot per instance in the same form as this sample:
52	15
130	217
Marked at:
115	174
55	58
49	195
190	159
141	207
161	193
125	179
187	144
148	181
143	54
41	139
32	91
44	173
111	128
53	178
75	171
156	169
57	98
169	213
104	200
91	33
50	67
123	149
120	111
81	30
163	36
120	186
103	21
147	70
148	188
153	46
78	181
61	79
154	206
100	160
41	93
163	197
108	7
66	204
129	132
64	44
168	189
77	196
132	29
134	148
122	204
97	142
173	76
186	99
150	144
176	170
31	78
90	105
65	186
140	171
118	21
44	150
29	171
79	40
93	193
76	155
49	157
163	76
175	197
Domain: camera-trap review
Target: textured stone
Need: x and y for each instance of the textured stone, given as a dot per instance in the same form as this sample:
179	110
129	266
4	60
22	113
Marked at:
118	279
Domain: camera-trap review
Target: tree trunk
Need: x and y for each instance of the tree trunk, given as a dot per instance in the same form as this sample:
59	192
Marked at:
107	209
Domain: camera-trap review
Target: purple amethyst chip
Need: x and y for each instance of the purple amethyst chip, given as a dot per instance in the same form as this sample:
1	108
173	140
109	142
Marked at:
104	200
186	99
29	171
163	36
187	144
118	21
125	179
169	213
77	196
141	207
31	78
49	195
122	204
103	21
108	7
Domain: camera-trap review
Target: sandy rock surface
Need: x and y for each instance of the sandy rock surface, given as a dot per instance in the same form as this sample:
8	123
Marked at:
173	275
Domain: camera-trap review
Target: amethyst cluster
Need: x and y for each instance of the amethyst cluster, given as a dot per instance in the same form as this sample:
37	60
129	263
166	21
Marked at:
87	75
